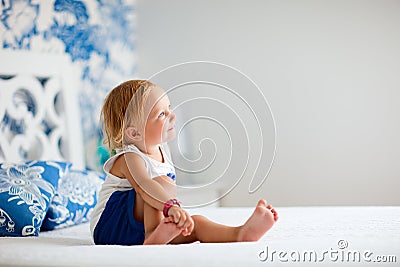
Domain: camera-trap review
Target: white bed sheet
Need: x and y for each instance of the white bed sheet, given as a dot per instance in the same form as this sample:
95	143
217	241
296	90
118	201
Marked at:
299	229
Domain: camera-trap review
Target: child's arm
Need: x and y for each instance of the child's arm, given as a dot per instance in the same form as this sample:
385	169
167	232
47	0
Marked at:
153	193
150	190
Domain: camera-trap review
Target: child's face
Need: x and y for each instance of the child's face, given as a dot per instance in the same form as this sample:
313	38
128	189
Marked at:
160	119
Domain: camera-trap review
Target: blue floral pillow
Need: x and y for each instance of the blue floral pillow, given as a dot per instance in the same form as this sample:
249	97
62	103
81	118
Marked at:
26	190
74	200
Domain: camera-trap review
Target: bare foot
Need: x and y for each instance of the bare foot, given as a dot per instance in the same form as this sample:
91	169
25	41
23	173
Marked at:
164	233
262	219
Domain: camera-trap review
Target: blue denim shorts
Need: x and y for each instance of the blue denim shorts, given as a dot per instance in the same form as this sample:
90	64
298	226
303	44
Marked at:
117	225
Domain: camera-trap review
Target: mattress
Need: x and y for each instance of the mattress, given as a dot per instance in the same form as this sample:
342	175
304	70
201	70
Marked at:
330	236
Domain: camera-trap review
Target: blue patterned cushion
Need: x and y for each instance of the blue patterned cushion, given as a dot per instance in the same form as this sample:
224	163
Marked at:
26	190
74	200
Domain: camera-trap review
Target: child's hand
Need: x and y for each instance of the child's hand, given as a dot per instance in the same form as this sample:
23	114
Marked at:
182	218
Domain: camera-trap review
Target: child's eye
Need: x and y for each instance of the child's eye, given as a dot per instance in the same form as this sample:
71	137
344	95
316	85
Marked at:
161	114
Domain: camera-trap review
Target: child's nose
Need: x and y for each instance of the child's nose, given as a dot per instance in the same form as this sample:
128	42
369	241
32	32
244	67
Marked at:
172	116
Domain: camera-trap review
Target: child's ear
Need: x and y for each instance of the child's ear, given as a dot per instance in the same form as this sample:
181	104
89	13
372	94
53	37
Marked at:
133	134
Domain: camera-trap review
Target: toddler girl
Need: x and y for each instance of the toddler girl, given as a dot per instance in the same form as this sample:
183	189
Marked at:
137	203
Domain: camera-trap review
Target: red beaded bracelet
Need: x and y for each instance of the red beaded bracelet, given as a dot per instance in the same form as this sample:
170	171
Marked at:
169	204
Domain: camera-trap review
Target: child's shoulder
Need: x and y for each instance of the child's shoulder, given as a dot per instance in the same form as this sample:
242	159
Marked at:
122	162
127	148
119	157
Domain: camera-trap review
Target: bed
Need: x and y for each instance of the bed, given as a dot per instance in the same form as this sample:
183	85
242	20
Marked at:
327	235
301	231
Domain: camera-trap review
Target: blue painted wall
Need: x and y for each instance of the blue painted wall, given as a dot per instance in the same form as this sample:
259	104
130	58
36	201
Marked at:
97	35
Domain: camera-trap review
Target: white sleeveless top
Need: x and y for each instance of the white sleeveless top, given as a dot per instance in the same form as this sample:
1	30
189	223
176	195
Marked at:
114	183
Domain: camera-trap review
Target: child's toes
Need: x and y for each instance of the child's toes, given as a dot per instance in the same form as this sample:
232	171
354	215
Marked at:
275	215
262	202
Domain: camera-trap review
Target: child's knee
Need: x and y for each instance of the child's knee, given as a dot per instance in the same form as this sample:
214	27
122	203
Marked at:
197	218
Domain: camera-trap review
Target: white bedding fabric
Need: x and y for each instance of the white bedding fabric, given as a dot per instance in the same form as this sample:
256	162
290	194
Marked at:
368	230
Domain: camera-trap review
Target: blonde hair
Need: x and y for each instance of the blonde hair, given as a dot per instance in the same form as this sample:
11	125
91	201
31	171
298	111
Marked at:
123	107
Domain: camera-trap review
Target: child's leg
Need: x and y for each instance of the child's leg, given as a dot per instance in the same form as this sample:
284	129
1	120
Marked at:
158	230
147	215
209	232
262	219
152	218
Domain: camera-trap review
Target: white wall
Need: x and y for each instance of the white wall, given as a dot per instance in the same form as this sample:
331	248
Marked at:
330	71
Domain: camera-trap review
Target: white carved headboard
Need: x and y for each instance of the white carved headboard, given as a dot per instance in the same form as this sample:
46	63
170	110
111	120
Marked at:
39	109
